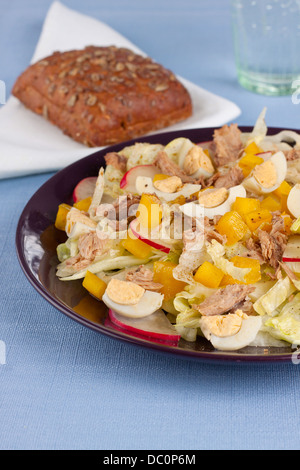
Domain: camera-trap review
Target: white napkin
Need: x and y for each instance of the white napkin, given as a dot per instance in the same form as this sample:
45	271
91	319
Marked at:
29	144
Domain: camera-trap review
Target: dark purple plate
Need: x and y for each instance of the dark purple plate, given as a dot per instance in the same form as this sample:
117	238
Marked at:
37	238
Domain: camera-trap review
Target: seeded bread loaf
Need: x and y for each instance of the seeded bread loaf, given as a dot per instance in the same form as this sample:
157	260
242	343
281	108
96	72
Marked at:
103	95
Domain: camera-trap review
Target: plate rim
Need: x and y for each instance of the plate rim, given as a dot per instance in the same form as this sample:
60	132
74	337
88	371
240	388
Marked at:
214	357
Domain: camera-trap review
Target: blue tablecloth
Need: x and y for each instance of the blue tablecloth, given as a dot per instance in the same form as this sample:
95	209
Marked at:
67	387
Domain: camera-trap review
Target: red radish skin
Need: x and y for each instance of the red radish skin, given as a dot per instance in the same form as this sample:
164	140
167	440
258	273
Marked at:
152	243
128	181
148	327
264	154
111	325
85	188
291	260
205	144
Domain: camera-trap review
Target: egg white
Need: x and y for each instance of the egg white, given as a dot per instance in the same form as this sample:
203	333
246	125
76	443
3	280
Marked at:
177	151
246	335
148	304
194	209
280	163
144	184
178	148
293	201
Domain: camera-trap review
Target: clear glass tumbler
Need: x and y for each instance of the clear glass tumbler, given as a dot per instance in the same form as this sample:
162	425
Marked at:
267	44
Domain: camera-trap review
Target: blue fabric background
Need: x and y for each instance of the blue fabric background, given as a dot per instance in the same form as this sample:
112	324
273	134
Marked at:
66	387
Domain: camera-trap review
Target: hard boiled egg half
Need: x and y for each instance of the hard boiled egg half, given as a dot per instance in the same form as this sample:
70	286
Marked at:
131	300
293	201
268	176
212	202
230	332
190	157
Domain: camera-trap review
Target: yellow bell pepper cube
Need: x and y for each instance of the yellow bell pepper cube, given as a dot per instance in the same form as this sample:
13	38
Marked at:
228	280
160	177
288	222
282	193
245	205
180	200
271	203
136	247
248	162
232	226
206	151
163	274
94	285
149	212
253	149
249	263
241	262
61	216
209	275
255	219
84	204
283	190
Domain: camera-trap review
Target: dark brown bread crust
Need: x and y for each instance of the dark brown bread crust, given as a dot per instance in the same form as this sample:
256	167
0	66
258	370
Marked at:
103	95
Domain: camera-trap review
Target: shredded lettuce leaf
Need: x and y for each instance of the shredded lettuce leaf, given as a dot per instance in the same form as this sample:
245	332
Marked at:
63	252
188	334
261	288
140	154
217	252
67	250
260	129
168	306
192	294
268	303
112	182
238	249
98	193
286	325
264	340
295	228
108	264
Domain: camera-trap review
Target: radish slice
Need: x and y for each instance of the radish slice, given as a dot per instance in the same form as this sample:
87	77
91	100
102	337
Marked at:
291	255
264	155
85	188
155	326
291	260
128	181
156	244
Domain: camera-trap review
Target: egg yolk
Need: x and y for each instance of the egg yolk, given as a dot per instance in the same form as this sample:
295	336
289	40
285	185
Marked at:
196	158
266	174
213	197
124	292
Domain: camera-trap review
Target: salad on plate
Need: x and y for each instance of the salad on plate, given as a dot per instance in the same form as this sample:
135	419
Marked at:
193	239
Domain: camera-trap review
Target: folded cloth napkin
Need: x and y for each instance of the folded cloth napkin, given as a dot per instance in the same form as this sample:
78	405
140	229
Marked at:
29	144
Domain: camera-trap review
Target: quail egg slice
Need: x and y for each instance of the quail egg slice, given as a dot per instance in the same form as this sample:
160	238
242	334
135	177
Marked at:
268	176
178	148
233	332
145	184
197	163
212	202
130	299
190	157
293	201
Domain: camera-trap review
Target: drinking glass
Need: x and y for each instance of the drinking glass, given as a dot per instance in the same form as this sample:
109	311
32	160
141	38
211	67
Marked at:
267	44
